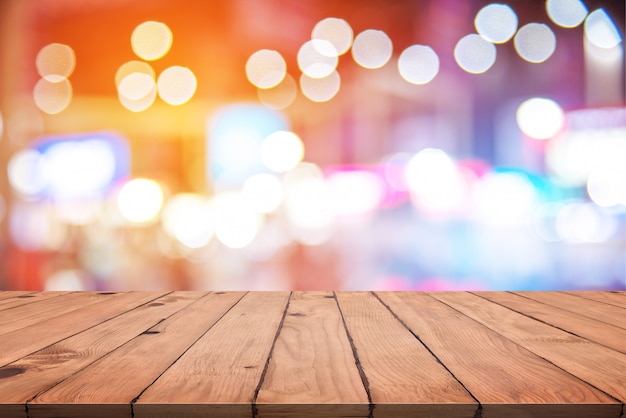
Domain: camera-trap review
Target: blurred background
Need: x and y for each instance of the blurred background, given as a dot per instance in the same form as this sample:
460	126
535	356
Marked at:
318	144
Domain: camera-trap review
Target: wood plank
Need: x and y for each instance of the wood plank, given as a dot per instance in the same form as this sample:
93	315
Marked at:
5	294
107	387
23	341
507	380
26	298
580	325
220	374
600	366
590	308
24	316
312	371
403	377
22	380
612	298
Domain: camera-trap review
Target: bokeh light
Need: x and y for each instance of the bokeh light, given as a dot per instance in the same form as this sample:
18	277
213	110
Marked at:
496	23
140	200
320	89
601	30
264	192
77	211
151	40
281	95
176	85
372	48
141	104
281	151
266	68
354	193
505	199
317	58
52	97
540	118
25	172
65	280
133	66
336	31
236	224
581	222
190	219
308	203
606	185
566	13
535	42
136	86
418	64
474	54
394	167
55	62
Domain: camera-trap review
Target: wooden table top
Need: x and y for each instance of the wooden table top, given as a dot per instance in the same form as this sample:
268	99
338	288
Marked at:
312	354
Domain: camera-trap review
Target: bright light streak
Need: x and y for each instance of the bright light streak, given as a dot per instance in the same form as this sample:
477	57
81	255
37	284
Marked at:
320	89
474	54
606	185
505	199
176	85
336	31
55	62
354	193
266	68
236	224
584	222
418	64
372	48
601	30
264	192
535	42
281	95
140	200
79	169
496	23
540	118
151	40
52	97
317	58
25	172
281	151
435	182
566	13
189	218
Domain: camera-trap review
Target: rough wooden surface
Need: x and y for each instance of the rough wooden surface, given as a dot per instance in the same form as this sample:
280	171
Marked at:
312	354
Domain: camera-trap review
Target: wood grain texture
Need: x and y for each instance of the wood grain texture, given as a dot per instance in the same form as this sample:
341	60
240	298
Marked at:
220	373
504	377
612	298
403	377
591	308
37	372
21	300
13	294
574	323
119	377
312	372
600	366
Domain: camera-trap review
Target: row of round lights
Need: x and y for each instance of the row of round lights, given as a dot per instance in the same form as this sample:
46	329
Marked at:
53	92
135	80
417	64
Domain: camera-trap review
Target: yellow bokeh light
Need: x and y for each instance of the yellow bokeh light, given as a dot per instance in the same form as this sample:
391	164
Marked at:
372	48
140	200
236	224
266	68
52	97
336	31
320	89
55	62
176	85
281	151
133	67
189	218
136	86
151	40
281	95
